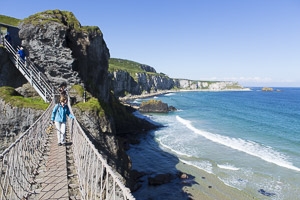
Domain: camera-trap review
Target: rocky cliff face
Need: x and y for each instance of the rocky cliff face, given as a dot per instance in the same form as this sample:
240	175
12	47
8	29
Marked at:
66	51
186	84
124	83
14	121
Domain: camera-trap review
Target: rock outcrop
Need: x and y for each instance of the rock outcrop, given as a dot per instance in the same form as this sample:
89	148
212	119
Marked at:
66	51
154	106
267	89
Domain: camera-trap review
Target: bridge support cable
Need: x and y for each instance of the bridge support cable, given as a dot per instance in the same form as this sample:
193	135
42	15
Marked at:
36	79
20	162
96	178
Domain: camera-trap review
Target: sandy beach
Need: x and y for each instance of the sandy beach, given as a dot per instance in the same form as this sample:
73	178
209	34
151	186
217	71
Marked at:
209	187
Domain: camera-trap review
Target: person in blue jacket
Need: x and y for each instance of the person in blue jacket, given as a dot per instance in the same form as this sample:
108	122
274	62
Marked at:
59	117
22	54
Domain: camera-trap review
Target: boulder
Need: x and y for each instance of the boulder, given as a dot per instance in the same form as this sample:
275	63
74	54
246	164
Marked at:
265	193
160	179
267	89
172	108
154	106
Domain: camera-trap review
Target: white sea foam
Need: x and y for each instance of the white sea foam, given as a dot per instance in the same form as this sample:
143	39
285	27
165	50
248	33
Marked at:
171	149
137	101
147	118
228	166
204	165
169	94
252	148
233	182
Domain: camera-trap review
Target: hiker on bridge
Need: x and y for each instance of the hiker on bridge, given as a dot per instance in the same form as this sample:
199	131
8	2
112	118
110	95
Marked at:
59	117
63	89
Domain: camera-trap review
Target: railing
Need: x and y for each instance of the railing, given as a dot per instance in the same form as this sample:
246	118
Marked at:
20	162
31	73
97	179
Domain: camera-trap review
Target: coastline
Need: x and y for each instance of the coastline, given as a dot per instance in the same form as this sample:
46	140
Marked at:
161	92
205	186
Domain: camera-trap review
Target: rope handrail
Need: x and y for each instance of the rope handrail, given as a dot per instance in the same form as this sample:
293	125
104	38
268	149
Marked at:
21	160
97	179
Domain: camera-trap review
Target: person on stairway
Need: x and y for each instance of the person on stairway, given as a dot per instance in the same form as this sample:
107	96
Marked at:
59	117
8	38
22	54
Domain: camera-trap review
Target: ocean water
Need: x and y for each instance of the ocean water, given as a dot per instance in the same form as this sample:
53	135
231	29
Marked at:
249	139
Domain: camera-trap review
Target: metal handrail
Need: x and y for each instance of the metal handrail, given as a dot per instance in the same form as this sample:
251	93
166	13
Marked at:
31	73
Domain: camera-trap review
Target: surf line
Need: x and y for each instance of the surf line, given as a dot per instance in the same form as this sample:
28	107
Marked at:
263	152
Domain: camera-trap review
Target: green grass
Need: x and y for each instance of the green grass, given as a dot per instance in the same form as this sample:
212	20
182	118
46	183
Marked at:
131	67
9	20
78	89
12	97
124	65
151	102
92	105
63	17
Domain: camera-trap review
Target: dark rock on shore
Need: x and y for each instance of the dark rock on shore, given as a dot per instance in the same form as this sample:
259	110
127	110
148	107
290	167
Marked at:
172	108
265	193
160	179
136	180
155	106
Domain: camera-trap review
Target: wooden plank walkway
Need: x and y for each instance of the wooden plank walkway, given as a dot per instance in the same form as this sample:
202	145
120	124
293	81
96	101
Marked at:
55	180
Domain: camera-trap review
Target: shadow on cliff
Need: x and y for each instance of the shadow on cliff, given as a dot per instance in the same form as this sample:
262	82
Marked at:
155	173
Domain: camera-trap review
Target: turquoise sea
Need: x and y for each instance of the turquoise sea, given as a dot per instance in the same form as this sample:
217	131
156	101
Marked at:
249	139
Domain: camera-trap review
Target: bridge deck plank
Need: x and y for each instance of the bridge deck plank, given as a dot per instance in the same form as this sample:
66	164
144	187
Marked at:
55	182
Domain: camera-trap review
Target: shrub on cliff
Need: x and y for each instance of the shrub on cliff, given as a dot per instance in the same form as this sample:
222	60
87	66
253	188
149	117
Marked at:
12	97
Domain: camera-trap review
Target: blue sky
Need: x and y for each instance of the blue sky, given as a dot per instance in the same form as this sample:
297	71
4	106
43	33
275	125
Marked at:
254	42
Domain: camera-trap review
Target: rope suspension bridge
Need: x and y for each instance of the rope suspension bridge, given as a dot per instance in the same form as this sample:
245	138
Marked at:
35	167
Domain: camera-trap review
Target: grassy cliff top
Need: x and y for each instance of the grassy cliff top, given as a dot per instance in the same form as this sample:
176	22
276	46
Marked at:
63	17
9	20
124	65
128	66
